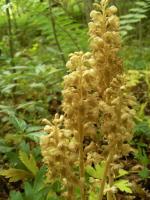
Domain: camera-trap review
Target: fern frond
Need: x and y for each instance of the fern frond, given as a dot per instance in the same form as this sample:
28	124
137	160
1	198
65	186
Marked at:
136	15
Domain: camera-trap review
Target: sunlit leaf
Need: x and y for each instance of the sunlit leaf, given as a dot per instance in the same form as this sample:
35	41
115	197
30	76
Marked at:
15	175
29	162
123	185
96	172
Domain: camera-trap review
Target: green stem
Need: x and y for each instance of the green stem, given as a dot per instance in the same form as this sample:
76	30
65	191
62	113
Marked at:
11	47
55	32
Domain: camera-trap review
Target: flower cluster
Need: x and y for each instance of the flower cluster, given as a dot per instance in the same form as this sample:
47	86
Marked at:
95	101
80	101
117	116
105	44
59	151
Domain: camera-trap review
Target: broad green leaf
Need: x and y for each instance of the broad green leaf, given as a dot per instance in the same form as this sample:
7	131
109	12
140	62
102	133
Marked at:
144	173
4	148
15	175
14	195
123	185
19	124
39	179
93	196
96	172
122	172
34	128
35	136
29	162
29	192
7	109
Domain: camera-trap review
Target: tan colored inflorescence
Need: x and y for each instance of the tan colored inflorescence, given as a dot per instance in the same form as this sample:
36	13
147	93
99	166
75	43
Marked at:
95	102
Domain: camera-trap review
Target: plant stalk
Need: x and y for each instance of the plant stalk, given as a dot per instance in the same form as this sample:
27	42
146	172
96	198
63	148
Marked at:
108	161
81	157
55	32
109	193
11	47
70	192
88	8
81	137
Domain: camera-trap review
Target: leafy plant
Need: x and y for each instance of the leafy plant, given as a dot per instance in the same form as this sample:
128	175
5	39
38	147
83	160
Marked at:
97	173
145	161
38	190
134	16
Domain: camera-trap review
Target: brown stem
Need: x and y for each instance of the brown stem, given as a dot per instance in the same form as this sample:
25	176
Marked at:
81	137
81	157
55	32
70	192
109	193
88	8
107	165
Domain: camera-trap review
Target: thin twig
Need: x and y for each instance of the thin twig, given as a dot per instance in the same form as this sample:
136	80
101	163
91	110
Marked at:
55	32
11	47
69	35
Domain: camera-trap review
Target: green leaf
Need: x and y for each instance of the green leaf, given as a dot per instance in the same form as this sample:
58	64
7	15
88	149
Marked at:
29	192
96	172
29	162
93	196
19	124
123	185
142	128
35	136
56	186
144	173
4	148
141	4
142	157
34	128
39	179
14	195
138	10
15	175
122	172
8	88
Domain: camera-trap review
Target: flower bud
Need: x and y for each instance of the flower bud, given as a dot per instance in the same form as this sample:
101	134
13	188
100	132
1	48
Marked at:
45	121
47	128
94	14
114	22
113	9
